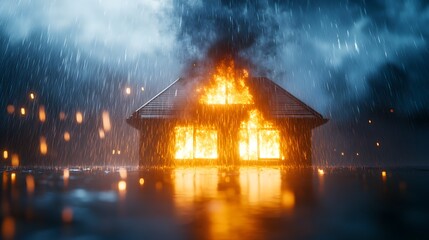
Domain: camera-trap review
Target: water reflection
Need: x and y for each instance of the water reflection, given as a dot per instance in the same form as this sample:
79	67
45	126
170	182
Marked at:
212	203
225	202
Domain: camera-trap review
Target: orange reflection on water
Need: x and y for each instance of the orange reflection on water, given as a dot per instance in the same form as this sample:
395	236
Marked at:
29	181
227	199
8	228
261	187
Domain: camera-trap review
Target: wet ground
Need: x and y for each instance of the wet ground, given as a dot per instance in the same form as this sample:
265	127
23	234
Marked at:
215	203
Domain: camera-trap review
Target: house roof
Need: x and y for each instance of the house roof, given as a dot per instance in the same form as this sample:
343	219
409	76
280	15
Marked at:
170	102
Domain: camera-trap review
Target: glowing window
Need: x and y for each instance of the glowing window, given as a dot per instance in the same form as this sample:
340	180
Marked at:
258	138
198	143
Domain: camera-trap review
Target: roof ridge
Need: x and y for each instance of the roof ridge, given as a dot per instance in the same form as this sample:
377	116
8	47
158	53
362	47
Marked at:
293	97
157	95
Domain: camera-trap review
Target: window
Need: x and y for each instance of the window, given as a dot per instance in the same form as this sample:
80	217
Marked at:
195	143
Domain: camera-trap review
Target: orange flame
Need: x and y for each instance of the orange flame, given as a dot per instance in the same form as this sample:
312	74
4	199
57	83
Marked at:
227	86
200	143
258	138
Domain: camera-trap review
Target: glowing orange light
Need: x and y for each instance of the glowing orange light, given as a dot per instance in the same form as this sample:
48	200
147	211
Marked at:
5	154
106	121
32	96
66	136
42	114
10	109
141	181
43	146
128	91
227	86
79	117
66	174
22	111
288	199
67	215
123	173
321	172
383	174
258	139
122	185
12	177
199	143
101	133
15	160
29	180
8	228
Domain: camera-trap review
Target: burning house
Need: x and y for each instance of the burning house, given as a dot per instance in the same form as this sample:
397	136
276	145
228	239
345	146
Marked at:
228	118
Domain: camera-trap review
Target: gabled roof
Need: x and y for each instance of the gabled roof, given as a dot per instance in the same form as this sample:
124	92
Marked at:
276	101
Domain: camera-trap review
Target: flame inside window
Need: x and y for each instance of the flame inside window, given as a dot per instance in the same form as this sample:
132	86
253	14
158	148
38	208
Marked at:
199	143
258	138
227	86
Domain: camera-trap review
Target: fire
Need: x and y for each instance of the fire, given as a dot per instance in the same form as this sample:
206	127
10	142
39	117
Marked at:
199	143
258	138
227	86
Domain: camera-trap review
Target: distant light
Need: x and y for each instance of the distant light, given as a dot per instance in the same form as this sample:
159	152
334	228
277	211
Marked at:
357	154
118	152
15	160
67	215
101	133
383	173
32	96
142	89
62	116
141	181
106	121
123	173
66	136
29	181
122	185
12	177
113	151
377	144
79	117
10	109
66	174
128	91
42	114
321	172
43	146
342	153
22	111
5	154
391	110
370	121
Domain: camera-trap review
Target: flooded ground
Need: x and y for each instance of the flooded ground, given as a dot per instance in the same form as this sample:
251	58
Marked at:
214	203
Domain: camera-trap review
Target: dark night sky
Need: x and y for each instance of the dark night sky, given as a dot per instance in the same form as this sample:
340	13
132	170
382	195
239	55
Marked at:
353	61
